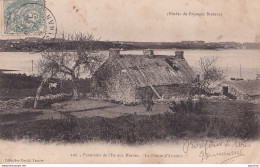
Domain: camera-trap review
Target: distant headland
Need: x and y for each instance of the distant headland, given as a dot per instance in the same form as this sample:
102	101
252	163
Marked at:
33	44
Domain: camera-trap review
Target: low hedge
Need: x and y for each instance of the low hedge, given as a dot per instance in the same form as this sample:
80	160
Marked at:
46	101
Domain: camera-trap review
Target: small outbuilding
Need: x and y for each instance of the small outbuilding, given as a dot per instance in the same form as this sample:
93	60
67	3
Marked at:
243	89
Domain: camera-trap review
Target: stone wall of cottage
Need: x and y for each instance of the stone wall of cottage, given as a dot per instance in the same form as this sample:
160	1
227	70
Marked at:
165	91
120	88
115	86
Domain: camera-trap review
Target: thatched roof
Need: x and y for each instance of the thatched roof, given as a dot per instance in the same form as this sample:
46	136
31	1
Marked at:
145	71
158	70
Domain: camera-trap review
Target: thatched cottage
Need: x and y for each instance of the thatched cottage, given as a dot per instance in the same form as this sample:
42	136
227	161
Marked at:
127	78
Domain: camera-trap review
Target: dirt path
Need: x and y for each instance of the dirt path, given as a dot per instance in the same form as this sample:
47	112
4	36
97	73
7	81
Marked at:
76	109
91	108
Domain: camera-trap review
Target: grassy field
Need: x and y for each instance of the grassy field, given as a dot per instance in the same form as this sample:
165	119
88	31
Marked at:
219	119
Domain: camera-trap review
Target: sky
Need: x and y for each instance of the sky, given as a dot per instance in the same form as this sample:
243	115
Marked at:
147	20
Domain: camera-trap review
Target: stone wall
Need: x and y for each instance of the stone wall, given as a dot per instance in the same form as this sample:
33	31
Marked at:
9	104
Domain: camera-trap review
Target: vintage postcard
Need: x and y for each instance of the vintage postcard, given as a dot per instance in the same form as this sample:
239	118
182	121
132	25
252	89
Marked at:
129	82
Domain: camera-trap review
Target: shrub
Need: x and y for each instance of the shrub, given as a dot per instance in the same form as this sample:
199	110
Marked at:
189	104
248	124
130	129
181	124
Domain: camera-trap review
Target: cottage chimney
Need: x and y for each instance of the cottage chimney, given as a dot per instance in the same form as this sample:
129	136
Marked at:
149	53
114	53
179	54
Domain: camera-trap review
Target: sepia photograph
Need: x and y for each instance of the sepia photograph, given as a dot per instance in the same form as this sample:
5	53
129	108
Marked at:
129	82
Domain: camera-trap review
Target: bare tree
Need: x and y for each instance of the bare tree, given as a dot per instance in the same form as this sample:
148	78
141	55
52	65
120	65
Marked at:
209	72
67	63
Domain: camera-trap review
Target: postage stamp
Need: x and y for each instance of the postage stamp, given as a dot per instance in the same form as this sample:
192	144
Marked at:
24	17
28	20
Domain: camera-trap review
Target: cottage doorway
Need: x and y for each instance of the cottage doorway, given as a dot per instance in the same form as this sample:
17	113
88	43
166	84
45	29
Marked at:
225	90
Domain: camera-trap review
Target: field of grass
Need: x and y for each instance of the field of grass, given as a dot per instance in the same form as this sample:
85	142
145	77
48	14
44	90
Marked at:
219	119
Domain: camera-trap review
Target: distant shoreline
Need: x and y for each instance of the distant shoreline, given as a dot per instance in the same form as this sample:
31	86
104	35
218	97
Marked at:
31	45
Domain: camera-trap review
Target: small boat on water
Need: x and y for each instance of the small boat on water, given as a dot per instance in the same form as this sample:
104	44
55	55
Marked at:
238	79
